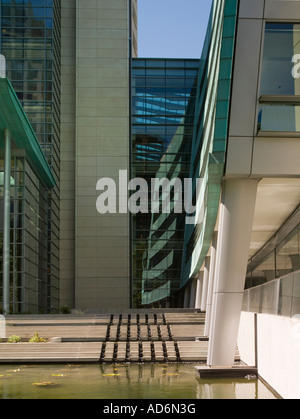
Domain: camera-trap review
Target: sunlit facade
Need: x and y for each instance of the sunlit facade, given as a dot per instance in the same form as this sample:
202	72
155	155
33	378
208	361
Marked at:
163	107
97	108
230	119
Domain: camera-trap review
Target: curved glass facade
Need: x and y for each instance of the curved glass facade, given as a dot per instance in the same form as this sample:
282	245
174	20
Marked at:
210	131
179	129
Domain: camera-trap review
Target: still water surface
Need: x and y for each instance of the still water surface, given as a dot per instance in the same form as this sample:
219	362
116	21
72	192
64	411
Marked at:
115	382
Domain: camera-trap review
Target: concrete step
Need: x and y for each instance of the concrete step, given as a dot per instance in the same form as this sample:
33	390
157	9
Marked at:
182	332
90	328
52	352
195	351
47	332
157	352
185	318
150	338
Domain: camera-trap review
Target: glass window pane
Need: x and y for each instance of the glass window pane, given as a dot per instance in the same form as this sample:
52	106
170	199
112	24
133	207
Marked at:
265	272
155	63
280	77
154	72
279	118
281	46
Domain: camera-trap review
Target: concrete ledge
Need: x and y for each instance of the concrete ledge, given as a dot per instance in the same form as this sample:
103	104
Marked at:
219	372
48	360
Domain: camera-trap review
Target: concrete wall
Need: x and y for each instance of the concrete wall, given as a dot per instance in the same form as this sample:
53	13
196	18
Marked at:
278	348
275	343
249	154
94	248
67	153
102	149
247	339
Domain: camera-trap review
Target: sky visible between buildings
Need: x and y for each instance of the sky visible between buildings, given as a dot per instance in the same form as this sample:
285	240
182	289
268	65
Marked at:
172	28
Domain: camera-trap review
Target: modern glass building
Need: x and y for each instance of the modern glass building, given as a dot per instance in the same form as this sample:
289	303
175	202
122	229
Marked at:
244	148
30	42
25	181
229	119
163	107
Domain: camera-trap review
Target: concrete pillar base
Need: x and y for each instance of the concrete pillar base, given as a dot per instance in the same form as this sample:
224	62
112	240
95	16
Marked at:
250	373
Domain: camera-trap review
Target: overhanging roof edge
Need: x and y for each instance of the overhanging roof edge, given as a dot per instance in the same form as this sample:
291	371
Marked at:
15	119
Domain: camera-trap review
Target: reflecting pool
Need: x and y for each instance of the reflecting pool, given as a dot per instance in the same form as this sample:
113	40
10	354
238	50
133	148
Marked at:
121	381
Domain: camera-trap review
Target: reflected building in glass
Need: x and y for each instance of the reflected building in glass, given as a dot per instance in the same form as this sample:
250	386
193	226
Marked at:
279	111
163	107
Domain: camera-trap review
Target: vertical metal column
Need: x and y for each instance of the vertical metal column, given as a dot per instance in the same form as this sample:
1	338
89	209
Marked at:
6	222
234	237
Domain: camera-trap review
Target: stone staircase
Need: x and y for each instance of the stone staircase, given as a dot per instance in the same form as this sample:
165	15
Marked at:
154	338
116	338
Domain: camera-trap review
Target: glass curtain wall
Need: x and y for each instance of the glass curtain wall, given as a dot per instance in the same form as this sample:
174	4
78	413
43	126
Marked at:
30	41
163	105
28	238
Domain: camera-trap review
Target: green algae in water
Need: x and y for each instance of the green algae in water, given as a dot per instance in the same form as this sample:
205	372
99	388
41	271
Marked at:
123	381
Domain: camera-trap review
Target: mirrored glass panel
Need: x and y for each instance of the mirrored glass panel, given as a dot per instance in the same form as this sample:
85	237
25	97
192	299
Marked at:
280	79
163	101
280	69
277	117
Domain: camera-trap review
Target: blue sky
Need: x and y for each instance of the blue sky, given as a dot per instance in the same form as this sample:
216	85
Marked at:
172	28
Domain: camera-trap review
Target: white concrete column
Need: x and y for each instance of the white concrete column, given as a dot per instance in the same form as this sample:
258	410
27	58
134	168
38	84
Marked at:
186	303
235	227
211	283
205	284
193	293
199	290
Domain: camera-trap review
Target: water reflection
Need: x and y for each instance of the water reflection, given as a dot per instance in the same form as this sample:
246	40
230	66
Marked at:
121	381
